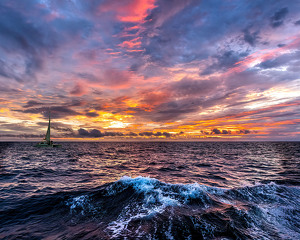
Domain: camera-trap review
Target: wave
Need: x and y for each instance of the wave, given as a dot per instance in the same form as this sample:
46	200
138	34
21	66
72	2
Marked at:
146	208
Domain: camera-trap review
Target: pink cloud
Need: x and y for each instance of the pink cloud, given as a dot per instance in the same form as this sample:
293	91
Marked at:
129	10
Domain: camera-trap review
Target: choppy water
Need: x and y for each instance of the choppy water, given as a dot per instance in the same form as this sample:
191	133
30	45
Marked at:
150	190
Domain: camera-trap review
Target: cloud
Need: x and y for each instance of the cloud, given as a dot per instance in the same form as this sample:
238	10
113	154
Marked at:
62	129
26	33
155	134
88	76
32	103
150	63
282	60
217	131
18	136
278	17
58	126
83	132
92	114
56	111
128	11
166	134
244	131
9	90
95	133
17	35
251	38
78	90
226	132
224	60
191	87
132	134
181	108
116	78
148	134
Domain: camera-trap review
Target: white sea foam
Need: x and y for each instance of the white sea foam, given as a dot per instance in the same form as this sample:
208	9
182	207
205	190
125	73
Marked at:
155	197
80	204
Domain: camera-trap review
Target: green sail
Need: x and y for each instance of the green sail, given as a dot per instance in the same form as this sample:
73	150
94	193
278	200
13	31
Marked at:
47	137
47	141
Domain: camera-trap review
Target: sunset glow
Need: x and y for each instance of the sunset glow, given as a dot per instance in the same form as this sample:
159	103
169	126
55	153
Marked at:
150	70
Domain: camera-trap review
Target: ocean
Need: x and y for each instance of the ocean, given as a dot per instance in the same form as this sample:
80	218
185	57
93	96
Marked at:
150	190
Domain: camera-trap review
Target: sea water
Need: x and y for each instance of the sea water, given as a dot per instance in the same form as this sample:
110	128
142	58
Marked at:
150	190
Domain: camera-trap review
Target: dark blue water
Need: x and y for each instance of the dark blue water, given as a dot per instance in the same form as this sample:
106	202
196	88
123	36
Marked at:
150	190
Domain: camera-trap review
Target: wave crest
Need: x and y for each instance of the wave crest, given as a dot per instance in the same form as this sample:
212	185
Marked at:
146	207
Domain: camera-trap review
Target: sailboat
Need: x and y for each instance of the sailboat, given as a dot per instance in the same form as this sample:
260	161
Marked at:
47	141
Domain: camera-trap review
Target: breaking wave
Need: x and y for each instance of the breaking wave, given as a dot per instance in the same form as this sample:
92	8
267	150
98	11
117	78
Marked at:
146	208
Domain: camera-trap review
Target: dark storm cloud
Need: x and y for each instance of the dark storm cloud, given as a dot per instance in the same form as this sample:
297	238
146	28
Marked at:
278	17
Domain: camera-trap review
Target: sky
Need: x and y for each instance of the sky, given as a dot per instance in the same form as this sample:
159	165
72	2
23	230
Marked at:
150	69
